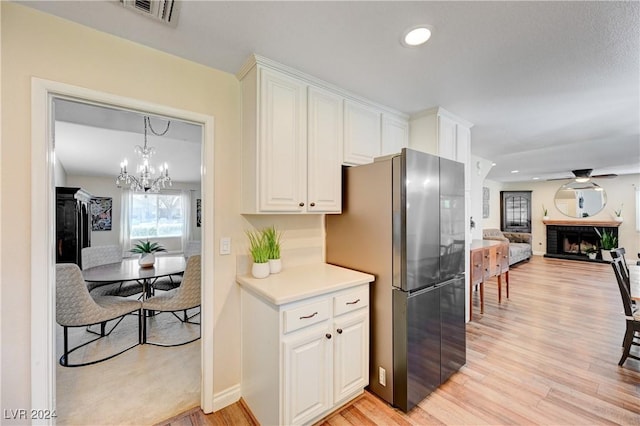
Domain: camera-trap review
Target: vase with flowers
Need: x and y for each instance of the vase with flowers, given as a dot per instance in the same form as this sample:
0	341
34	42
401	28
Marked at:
545	213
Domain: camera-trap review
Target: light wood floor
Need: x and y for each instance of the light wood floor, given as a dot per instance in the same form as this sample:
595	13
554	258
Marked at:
547	355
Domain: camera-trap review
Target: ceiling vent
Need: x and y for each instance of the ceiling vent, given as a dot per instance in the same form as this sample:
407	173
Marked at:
160	10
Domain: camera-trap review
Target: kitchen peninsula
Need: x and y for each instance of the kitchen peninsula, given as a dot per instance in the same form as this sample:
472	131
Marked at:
305	341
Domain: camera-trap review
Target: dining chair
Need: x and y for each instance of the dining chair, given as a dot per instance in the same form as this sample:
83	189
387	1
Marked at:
180	299
170	282
103	255
632	318
75	307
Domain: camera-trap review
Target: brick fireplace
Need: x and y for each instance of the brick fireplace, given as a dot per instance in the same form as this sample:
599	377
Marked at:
569	239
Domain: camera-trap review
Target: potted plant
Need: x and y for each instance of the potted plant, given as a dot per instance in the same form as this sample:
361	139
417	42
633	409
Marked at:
607	242
592	252
545	213
618	213
259	253
272	239
147	251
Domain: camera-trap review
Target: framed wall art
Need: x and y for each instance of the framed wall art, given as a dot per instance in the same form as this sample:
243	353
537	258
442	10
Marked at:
198	212
101	213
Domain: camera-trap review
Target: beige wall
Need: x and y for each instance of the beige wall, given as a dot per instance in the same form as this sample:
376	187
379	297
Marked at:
36	44
619	190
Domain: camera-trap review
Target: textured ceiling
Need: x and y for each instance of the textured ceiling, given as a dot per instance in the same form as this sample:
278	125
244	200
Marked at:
549	86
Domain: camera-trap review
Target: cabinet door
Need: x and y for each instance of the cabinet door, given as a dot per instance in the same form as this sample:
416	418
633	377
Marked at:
476	267
351	354
447	138
307	375
282	153
325	133
395	135
361	133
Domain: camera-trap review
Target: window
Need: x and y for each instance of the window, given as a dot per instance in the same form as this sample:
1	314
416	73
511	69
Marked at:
156	215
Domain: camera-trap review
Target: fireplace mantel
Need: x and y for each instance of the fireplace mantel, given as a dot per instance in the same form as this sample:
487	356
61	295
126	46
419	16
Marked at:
569	222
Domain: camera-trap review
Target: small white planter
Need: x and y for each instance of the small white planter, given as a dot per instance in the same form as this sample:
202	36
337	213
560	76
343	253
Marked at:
146	260
606	255
275	265
618	218
592	256
545	217
260	270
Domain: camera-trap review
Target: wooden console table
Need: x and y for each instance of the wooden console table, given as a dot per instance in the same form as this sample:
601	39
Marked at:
489	258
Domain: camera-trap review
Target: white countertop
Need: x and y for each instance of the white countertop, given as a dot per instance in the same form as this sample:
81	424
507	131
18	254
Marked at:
301	282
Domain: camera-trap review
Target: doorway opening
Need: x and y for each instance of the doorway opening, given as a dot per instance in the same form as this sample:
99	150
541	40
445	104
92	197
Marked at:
48	99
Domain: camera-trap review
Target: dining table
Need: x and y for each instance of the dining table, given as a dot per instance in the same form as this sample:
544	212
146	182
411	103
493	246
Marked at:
129	270
634	281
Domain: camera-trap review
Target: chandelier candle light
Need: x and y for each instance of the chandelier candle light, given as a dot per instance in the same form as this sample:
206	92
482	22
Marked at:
145	181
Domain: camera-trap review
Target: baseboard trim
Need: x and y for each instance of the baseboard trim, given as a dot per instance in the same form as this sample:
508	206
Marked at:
226	397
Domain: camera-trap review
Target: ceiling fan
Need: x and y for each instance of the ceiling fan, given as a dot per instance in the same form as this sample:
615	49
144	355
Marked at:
583	175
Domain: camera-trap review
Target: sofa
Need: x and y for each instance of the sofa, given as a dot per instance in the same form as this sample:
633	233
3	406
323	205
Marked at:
520	244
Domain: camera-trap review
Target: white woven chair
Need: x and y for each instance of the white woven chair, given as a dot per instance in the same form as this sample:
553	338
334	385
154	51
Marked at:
104	255
75	307
170	282
183	298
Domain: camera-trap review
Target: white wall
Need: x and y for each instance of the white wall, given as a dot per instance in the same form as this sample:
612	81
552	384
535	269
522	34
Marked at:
619	190
37	44
105	187
479	170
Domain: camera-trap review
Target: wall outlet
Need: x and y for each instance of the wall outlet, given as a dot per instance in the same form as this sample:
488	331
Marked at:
382	376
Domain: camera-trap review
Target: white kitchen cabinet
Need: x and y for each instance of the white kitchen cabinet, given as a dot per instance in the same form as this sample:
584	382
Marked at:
307	374
395	134
285	168
305	351
298	131
351	355
274	142
324	151
362	132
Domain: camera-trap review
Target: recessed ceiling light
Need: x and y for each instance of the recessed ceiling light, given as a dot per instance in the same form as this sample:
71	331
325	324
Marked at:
515	171
415	36
535	178
493	164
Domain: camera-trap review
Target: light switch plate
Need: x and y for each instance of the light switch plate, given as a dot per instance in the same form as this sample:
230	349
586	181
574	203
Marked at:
225	245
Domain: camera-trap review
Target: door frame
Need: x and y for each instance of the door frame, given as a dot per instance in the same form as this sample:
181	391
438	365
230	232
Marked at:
43	345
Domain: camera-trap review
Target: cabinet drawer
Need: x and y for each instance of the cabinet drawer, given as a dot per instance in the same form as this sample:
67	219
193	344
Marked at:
351	301
303	316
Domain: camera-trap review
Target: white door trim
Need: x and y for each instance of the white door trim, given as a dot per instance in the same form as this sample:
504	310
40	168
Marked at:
43	356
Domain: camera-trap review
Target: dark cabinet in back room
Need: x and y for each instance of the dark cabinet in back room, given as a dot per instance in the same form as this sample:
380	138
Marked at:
73	224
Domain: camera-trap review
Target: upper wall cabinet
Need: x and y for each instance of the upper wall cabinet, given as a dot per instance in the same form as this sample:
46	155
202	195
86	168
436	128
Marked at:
297	131
437	131
362	133
395	134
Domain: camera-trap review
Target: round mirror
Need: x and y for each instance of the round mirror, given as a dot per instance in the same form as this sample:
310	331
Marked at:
580	199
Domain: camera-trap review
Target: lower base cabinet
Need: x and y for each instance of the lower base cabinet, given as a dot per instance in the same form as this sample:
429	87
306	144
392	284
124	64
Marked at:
303	359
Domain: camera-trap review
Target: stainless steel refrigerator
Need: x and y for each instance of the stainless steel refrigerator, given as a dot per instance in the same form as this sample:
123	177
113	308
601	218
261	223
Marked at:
403	221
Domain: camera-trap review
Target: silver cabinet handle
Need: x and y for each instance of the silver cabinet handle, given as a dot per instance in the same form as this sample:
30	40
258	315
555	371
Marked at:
309	316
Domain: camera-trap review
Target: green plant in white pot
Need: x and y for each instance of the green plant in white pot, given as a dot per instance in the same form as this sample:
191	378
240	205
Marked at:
618	214
272	239
607	242
147	251
259	254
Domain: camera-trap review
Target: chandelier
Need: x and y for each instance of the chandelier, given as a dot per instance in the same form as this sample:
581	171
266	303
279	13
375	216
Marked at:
144	181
